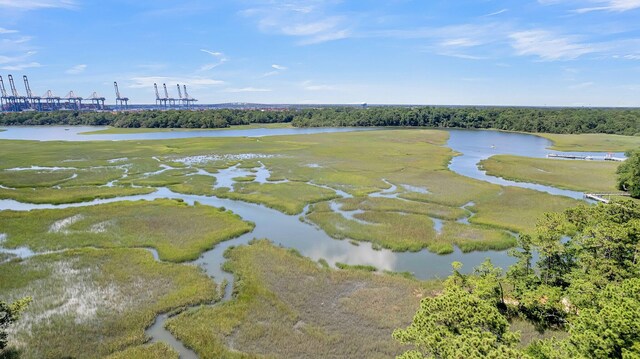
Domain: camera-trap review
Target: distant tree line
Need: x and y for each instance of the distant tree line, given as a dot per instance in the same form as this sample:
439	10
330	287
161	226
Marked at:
549	120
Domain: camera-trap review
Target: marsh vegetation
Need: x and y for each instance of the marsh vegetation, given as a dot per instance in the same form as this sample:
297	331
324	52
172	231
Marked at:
94	280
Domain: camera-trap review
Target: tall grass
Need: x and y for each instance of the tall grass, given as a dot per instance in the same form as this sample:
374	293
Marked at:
89	303
286	306
178	231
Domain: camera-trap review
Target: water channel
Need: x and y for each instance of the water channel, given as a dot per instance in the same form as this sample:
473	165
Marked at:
288	231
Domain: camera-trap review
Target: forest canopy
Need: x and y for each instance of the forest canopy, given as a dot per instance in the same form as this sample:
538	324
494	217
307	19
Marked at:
546	120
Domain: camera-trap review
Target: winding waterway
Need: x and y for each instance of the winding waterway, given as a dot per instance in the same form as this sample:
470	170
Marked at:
288	231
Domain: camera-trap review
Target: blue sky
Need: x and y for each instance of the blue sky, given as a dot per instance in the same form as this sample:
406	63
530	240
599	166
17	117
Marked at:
480	52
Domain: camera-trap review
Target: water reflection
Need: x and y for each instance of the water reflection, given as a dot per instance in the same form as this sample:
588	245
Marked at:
74	133
476	146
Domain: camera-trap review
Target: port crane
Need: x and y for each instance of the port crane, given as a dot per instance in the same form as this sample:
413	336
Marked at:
52	101
4	98
17	99
36	101
73	100
188	99
169	100
97	100
122	100
182	101
159	100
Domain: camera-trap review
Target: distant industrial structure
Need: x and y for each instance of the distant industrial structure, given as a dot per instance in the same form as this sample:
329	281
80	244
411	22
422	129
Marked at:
13	101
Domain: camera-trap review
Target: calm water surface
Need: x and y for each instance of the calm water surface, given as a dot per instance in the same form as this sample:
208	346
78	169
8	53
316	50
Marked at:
74	133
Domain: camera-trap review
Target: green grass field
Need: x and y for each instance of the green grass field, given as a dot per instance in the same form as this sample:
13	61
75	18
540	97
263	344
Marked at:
179	232
592	142
287	306
89	303
584	176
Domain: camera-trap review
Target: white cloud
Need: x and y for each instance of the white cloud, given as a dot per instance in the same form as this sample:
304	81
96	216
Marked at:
597	5
312	21
496	13
38	4
7	31
548	46
278	69
247	89
77	69
218	55
21	66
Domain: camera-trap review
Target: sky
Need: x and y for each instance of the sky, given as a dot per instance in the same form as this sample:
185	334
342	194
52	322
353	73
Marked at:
467	52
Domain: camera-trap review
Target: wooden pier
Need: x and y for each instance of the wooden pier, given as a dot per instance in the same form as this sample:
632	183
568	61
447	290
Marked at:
586	158
570	157
600	197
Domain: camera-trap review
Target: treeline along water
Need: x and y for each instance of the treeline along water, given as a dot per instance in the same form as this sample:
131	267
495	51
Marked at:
546	120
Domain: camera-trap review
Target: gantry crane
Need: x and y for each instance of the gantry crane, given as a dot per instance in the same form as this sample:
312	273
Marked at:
182	102
52	101
73	100
35	101
96	100
18	100
188	100
123	100
168	100
4	98
159	100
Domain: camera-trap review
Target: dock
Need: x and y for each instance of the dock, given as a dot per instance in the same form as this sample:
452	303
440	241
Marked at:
570	157
586	158
600	197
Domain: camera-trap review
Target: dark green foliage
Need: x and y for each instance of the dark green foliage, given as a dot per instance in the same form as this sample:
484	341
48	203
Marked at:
548	120
10	313
629	174
459	324
149	119
586	281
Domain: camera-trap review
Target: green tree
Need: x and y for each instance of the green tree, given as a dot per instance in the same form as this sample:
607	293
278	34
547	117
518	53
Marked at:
459	323
629	174
9	313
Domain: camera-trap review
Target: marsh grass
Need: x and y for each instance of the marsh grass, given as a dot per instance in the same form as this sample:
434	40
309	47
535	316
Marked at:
361	267
399	205
288	197
585	176
395	231
151	351
69	194
95	176
407	231
517	209
178	231
592	142
197	184
89	303
162	179
34	178
287	306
